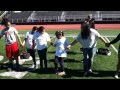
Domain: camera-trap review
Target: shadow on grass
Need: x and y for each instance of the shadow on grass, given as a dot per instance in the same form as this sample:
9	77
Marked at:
69	52
66	60
79	73
69	72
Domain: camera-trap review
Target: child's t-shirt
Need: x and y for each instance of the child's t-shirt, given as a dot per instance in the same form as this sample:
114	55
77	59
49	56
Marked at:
10	35
29	37
41	40
61	47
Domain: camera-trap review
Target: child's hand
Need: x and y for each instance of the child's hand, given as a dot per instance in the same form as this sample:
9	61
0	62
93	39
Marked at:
51	43
69	46
107	44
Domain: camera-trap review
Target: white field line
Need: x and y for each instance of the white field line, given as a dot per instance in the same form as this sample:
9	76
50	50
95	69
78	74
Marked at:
38	62
1	58
111	45
19	75
15	74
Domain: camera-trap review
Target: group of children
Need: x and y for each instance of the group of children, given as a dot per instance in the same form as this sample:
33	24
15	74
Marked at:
38	39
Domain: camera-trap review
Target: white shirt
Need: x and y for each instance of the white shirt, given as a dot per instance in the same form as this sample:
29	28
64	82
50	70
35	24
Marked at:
41	40
9	33
29	37
61	47
91	41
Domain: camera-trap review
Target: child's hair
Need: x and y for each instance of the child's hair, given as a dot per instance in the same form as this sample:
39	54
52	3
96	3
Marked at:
59	33
41	28
35	28
5	21
85	30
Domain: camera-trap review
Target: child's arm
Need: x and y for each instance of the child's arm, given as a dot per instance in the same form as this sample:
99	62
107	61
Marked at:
1	34
25	40
73	43
51	43
19	39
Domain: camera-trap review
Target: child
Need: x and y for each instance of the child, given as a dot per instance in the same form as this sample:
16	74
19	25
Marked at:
28	40
41	38
12	48
60	43
118	64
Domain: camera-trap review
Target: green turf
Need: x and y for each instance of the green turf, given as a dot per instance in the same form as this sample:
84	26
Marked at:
104	66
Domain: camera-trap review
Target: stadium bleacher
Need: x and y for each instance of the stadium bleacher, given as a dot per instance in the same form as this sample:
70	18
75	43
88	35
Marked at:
56	16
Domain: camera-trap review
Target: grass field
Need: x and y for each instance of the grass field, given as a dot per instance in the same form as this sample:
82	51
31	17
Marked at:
104	66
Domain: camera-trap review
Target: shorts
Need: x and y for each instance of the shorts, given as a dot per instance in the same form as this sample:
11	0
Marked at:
12	50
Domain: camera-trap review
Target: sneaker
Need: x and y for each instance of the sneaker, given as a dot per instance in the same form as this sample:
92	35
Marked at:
116	76
62	73
90	71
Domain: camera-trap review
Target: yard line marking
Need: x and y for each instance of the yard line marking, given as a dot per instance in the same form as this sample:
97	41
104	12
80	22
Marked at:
111	45
1	58
15	74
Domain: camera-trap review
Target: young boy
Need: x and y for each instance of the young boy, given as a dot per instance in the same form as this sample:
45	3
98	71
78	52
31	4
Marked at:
60	43
12	49
28	40
41	38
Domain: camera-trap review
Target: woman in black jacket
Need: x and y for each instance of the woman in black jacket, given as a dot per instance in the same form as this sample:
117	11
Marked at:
118	65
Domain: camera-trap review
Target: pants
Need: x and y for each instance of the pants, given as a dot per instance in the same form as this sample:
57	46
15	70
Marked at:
88	58
43	56
32	53
61	61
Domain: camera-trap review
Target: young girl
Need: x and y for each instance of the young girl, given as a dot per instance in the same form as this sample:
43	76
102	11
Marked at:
60	43
42	38
28	41
12	48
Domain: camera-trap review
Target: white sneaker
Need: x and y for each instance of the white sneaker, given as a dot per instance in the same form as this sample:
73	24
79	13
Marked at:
116	76
62	73
90	71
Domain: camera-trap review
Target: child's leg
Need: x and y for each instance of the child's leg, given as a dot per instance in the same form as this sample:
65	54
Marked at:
10	63
41	59
118	65
56	63
32	53
15	50
45	57
62	64
91	54
85	54
9	55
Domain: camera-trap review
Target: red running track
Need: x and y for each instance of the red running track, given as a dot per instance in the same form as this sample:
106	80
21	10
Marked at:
67	27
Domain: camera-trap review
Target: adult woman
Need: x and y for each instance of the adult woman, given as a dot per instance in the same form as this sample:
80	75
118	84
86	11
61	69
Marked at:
88	38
